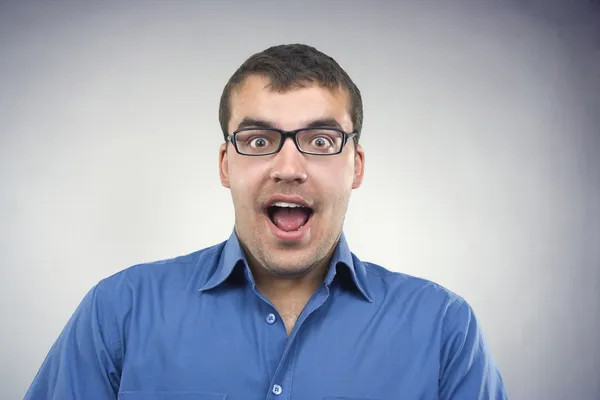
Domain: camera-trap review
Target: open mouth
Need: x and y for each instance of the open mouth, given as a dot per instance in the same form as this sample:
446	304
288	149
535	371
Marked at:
289	217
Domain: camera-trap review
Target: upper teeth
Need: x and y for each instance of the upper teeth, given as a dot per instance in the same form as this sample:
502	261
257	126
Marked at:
285	204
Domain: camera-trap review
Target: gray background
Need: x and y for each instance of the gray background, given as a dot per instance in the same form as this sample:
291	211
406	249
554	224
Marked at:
482	135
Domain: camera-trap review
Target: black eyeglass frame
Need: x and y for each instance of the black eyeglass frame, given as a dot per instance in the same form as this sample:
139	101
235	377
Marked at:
292	135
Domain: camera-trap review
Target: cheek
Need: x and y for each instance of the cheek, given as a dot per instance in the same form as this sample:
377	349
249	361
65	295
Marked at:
335	184
244	183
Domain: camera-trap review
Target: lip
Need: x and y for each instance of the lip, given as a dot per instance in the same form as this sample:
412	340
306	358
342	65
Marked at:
288	199
293	236
281	235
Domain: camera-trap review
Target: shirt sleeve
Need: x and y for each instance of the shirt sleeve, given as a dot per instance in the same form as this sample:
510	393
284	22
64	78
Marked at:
467	368
84	361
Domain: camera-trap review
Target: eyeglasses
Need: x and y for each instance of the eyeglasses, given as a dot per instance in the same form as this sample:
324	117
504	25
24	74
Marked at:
266	141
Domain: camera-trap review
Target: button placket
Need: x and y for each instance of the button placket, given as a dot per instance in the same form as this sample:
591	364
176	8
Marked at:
284	371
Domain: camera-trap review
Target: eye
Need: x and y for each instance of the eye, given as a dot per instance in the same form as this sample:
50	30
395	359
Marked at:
258	142
321	142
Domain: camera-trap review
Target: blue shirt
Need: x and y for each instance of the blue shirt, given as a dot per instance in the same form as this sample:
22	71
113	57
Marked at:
196	328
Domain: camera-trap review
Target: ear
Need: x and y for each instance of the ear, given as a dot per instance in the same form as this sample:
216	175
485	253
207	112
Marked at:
359	166
223	165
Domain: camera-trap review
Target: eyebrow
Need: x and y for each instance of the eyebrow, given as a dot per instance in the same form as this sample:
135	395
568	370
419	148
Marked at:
259	123
254	123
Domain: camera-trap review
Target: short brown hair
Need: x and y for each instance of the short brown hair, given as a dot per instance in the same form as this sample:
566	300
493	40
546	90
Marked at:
292	66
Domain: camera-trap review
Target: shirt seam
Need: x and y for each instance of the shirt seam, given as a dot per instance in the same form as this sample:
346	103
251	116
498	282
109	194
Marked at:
452	320
117	343
454	317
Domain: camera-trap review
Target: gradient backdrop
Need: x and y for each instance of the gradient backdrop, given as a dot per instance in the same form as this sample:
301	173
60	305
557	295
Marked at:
482	135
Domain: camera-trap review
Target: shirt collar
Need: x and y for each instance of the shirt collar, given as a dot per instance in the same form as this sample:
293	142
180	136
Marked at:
232	255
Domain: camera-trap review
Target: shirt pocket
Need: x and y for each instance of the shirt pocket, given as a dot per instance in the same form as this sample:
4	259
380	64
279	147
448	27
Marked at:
171	396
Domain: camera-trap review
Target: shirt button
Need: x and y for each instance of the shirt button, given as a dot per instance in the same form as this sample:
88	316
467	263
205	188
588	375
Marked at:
271	319
277	390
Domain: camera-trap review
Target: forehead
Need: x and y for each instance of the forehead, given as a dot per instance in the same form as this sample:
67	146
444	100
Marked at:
289	109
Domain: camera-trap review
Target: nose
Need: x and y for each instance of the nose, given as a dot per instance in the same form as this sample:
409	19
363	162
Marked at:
289	164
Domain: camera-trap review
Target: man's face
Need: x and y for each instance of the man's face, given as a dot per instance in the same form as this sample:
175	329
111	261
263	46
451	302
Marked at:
323	183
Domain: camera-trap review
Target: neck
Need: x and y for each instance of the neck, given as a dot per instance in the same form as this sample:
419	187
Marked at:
289	294
279	286
274	285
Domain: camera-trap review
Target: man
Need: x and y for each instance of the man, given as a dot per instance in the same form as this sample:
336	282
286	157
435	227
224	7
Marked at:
282	309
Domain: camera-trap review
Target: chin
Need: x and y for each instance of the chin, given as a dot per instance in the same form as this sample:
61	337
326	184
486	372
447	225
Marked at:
290	260
290	270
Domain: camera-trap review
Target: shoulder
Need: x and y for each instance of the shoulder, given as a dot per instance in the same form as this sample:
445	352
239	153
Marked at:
428	304
157	278
400	285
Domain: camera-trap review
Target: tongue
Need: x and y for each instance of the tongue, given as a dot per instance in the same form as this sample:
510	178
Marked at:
289	219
